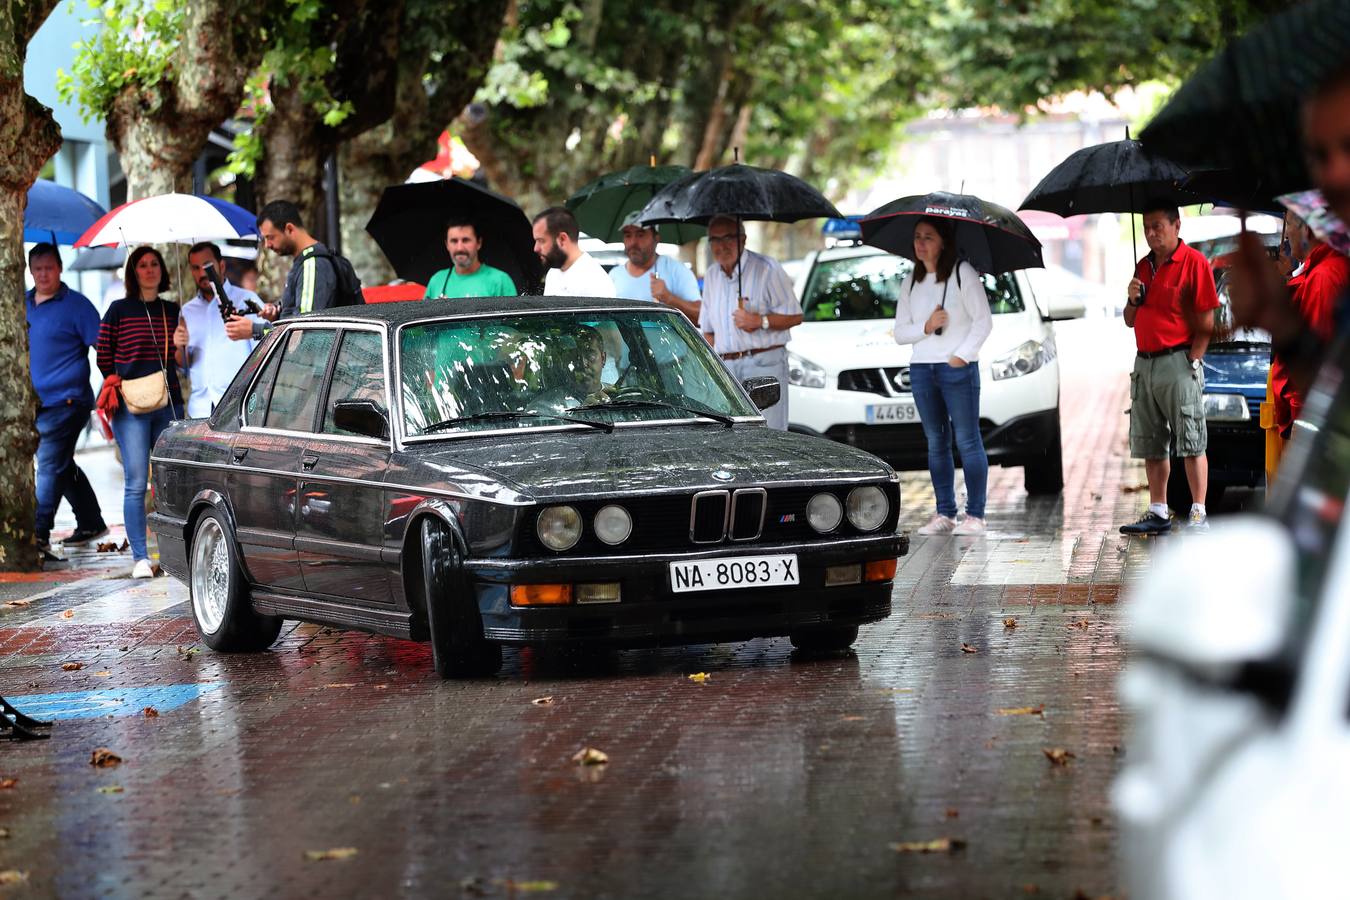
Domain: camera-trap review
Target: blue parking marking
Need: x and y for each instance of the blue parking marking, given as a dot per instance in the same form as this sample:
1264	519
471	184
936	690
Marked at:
111	702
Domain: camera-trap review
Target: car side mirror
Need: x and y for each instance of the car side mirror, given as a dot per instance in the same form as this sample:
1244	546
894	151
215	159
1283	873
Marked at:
764	390
363	417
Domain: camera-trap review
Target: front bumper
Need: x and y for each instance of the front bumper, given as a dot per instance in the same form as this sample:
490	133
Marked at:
1236	452
1016	442
650	613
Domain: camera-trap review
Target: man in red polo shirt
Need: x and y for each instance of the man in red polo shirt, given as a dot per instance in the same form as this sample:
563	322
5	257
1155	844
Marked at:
1171	309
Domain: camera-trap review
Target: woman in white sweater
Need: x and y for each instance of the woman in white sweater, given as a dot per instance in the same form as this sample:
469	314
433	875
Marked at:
944	312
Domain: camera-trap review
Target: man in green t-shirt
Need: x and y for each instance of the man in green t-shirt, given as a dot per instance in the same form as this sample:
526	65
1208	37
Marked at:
469	277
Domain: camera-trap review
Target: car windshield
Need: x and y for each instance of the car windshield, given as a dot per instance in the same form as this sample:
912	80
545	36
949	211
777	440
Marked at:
1226	333
868	286
526	371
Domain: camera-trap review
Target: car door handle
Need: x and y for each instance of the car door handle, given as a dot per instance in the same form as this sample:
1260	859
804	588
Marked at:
307	462
240	453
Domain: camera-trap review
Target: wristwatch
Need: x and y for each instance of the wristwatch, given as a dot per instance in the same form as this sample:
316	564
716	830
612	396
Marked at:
763	323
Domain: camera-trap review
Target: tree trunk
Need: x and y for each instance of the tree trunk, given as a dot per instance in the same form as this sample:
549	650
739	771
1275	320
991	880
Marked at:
28	138
291	169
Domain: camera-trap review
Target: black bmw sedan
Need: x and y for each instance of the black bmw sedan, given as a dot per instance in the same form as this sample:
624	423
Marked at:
516	471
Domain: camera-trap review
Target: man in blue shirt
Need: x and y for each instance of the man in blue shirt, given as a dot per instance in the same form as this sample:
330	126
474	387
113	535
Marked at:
62	326
647	275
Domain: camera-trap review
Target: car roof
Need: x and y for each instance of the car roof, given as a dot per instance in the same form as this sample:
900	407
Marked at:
417	310
850	251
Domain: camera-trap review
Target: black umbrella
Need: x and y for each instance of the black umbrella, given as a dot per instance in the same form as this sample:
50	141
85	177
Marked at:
743	192
1118	177
988	236
409	225
1240	110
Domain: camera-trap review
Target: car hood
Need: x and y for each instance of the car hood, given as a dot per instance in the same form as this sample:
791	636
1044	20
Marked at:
871	343
1242	368
553	465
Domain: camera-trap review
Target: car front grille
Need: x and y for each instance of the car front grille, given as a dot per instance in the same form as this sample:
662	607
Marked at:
891	381
706	519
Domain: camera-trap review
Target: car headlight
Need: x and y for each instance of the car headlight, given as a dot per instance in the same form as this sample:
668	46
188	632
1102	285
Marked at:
559	527
824	512
613	525
867	507
1024	360
804	373
1226	408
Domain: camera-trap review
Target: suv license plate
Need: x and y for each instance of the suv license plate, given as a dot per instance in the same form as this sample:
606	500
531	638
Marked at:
731	572
885	414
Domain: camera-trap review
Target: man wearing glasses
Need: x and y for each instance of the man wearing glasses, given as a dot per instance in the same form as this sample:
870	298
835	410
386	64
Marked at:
748	308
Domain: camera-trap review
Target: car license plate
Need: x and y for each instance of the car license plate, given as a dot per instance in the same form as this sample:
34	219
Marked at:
888	413
730	572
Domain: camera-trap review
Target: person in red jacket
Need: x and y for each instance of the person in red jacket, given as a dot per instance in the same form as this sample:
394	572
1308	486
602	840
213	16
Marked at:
1315	288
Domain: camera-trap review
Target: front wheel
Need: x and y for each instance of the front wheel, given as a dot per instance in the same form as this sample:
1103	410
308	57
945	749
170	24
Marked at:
458	649
222	609
825	638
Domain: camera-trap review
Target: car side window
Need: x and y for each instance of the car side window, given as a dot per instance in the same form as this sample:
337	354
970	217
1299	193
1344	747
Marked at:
358	374
303	362
255	406
1004	297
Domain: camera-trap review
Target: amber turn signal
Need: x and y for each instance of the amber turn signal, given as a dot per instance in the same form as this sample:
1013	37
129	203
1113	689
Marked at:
880	570
542	594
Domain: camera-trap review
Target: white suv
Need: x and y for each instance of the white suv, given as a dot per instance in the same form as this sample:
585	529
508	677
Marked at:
849	380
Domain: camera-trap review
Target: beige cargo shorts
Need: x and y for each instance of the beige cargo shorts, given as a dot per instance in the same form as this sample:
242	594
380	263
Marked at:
1167	411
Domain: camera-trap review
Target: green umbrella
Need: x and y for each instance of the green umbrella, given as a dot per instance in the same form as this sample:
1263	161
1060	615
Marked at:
602	205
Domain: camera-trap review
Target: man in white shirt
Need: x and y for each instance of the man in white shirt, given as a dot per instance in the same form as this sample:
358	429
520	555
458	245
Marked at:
647	275
571	271
748	308
210	357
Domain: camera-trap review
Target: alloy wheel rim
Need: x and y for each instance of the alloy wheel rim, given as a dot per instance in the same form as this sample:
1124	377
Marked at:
210	577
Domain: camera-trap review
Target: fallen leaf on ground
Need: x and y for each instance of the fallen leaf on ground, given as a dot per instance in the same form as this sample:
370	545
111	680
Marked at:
110	789
13	876
1081	623
1133	488
1030	888
953	812
589	756
341	684
1009	623
125	545
72	666
1058	756
106	547
123	649
1023	711
187	651
103	674
542	701
851	718
150	712
15	604
104	758
335	853
966	648
699	677
529	886
474	886
68	614
4	834
7	783
941	845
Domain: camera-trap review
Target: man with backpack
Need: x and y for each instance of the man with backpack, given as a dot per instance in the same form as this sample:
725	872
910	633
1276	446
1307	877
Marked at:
319	278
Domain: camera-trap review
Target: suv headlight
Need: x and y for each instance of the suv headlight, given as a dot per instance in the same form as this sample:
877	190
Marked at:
1024	360
1226	408
559	527
804	373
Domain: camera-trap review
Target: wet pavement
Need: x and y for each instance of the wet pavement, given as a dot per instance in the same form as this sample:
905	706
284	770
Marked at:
775	776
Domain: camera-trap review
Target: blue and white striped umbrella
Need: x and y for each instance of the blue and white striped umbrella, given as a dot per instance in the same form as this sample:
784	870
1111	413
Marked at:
171	219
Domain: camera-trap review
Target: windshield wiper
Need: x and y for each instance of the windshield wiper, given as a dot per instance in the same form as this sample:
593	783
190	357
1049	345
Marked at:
728	421
606	427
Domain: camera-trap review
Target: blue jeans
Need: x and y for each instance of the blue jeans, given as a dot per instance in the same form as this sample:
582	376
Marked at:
59	430
136	436
948	399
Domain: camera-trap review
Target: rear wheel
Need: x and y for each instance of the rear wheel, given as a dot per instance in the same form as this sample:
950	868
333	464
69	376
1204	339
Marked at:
825	638
458	649
222	609
1046	475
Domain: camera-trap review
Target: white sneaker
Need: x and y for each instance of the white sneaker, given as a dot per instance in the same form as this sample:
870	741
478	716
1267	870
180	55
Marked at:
970	525
938	525
143	569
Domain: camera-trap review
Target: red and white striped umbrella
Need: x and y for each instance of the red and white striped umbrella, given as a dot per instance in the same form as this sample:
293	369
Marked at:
171	219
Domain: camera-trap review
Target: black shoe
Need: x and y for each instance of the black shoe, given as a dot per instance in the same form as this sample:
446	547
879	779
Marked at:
1149	523
82	536
45	548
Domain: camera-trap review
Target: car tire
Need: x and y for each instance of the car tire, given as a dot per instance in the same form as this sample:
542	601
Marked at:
222	607
824	638
458	649
1179	490
1046	475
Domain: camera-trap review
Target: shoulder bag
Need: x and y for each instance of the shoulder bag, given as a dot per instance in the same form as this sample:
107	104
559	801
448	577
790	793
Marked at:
149	392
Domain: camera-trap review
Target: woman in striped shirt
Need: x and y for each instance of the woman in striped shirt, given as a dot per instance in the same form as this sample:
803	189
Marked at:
135	340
